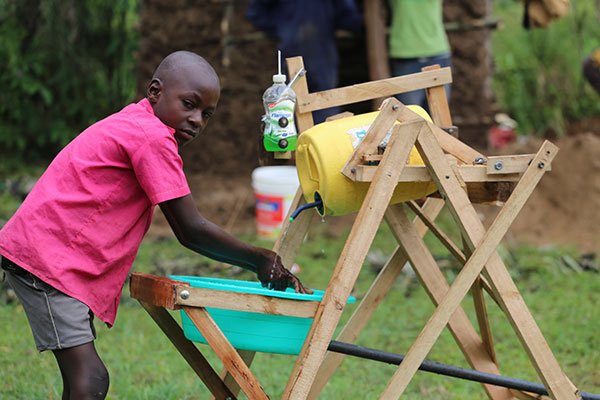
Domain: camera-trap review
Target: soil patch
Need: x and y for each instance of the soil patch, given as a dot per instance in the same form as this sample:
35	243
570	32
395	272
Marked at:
563	209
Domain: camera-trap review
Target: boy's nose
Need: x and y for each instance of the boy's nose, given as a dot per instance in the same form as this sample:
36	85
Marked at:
197	120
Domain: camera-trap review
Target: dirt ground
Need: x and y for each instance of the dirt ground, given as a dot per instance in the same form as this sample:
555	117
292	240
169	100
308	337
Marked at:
563	210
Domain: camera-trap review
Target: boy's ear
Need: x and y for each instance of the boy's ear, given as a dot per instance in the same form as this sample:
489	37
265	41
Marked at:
154	90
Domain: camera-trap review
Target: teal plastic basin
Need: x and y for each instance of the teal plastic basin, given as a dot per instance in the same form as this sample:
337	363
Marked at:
266	333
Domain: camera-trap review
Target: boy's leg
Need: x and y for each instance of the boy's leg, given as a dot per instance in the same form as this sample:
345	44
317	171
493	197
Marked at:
63	325
84	374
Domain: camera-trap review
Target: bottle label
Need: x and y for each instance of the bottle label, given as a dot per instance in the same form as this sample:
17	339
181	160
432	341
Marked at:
280	122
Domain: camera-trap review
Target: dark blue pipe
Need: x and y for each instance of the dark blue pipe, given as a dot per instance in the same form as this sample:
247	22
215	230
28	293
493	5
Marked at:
318	203
447	370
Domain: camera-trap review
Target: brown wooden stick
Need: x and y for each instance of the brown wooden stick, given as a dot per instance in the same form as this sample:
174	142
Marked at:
189	351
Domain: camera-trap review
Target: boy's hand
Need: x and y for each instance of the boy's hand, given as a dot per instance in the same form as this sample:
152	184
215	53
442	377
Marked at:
274	275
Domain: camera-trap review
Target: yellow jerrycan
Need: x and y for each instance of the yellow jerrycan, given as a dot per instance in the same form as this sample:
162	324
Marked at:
323	150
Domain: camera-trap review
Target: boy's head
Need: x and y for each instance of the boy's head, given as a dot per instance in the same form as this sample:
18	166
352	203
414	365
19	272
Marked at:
184	92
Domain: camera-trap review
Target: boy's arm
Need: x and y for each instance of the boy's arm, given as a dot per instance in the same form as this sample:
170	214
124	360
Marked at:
202	236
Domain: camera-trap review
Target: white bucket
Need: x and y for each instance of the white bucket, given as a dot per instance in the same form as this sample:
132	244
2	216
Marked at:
274	189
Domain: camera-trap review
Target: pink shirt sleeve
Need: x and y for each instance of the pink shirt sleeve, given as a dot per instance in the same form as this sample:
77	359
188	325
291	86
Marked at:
159	170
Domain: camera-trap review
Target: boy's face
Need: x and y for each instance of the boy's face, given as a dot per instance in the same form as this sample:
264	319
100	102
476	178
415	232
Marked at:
185	100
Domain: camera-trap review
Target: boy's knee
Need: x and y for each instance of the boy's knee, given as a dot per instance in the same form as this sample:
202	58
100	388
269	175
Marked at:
93	383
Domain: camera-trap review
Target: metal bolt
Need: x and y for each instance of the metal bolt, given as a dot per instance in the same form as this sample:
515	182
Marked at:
479	161
395	107
184	294
353	170
498	165
541	165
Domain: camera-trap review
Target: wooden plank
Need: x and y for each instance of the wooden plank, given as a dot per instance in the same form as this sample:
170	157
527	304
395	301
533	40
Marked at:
484	250
510	164
247	302
507	294
453	146
342	115
226	353
419	173
434	282
365	309
247	357
373	90
441	236
155	290
292	234
376	34
350	262
482	317
391	111
438	102
376	38
304	118
189	351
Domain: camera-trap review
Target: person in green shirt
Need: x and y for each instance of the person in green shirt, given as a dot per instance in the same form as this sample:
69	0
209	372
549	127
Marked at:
417	39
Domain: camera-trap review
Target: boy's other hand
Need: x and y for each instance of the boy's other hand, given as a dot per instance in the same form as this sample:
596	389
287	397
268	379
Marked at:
274	275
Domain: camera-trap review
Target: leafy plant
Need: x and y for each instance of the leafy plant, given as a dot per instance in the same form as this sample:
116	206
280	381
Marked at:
64	65
538	78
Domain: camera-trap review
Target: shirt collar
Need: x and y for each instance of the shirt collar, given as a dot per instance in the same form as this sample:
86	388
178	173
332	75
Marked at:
145	104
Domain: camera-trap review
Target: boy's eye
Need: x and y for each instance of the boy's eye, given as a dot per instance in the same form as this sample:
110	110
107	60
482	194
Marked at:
207	114
188	104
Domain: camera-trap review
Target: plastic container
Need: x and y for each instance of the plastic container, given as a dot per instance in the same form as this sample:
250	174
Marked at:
324	149
274	189
253	331
279	101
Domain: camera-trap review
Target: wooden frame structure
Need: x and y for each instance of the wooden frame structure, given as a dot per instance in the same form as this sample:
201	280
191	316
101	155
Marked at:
454	167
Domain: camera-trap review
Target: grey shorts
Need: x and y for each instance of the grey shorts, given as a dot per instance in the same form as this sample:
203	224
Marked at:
57	321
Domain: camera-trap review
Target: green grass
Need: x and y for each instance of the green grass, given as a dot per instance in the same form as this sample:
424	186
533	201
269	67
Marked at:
144	364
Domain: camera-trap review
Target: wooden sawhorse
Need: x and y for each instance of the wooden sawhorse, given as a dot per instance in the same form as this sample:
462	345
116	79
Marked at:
457	171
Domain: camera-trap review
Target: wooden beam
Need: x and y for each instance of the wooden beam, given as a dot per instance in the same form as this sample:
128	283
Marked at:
247	357
304	118
246	302
189	351
391	111
155	290
437	288
373	90
438	102
226	353
419	173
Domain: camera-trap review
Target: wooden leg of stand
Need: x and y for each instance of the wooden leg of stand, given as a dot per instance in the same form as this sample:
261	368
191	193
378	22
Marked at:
467	218
363	313
189	351
226	353
351	260
247	356
437	287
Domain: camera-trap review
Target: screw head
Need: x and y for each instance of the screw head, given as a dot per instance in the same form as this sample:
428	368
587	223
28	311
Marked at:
541	165
498	165
184	294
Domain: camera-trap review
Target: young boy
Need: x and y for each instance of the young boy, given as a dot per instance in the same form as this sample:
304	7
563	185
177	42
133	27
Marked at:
69	247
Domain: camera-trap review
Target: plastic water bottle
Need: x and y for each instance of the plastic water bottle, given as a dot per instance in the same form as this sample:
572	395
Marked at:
279	101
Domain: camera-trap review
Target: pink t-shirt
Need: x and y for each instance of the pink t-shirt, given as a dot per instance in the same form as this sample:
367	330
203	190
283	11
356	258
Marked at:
80	228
